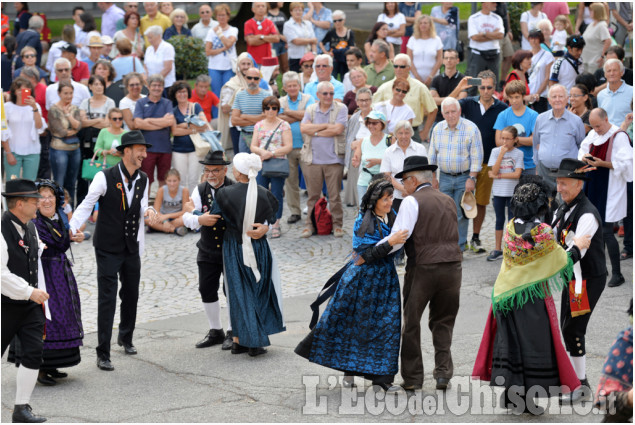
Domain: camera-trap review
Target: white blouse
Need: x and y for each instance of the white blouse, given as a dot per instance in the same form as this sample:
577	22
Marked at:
24	138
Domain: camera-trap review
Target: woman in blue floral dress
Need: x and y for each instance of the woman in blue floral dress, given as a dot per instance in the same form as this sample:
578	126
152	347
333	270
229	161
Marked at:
359	332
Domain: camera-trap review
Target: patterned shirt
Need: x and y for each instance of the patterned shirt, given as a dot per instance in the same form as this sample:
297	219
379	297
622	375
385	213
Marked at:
456	150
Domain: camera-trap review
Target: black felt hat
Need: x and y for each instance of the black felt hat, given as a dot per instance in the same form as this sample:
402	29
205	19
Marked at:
215	158
134	137
415	163
573	169
21	188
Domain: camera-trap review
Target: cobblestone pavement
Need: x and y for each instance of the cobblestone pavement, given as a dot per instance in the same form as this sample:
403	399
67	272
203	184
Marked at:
169	275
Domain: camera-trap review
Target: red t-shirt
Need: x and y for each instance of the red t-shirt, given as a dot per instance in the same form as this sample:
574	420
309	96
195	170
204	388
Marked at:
80	71
40	98
266	28
207	103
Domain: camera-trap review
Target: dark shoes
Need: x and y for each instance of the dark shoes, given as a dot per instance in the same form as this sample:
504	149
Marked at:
22	413
128	348
238	349
294	218
213	337
625	255
582	393
56	374
443	384
104	364
44	379
616	280
229	341
253	352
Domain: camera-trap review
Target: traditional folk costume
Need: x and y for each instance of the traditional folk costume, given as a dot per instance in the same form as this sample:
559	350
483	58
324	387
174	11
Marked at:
210	255
252	276
359	331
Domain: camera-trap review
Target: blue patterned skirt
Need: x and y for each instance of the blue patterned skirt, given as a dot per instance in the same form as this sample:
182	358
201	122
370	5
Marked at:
359	332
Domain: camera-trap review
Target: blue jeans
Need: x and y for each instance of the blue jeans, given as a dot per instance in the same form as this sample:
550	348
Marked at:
500	203
26	166
361	191
454	186
65	166
277	184
219	78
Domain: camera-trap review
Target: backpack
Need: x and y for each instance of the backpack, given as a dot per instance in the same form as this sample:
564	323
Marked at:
321	218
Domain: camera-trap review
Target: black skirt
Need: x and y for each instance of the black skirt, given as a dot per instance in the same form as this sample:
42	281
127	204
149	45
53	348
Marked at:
51	359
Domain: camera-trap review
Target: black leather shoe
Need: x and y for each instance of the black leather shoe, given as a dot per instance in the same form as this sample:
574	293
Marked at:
104	364
56	374
253	352
443	384
213	337
294	218
229	341
238	349
45	379
22	413
616	280
582	393
128	348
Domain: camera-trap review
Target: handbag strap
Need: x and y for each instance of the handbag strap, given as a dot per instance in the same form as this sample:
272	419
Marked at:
271	136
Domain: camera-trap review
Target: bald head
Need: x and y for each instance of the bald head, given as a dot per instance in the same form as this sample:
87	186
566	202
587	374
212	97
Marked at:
599	121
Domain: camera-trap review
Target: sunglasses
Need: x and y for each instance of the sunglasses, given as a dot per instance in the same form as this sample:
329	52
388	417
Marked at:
401	91
372	122
117	118
271	108
252	78
321	66
29	55
338	20
400	66
327	93
486	87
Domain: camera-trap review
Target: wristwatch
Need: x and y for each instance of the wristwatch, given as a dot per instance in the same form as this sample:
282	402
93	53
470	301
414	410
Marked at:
472	178
262	37
315	134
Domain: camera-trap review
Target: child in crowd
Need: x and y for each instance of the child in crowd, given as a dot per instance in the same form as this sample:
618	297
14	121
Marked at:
506	163
169	202
559	38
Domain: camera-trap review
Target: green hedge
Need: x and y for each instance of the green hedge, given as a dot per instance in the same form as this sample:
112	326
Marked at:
189	58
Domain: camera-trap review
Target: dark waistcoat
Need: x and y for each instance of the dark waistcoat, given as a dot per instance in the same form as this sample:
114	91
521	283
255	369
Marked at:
22	261
211	242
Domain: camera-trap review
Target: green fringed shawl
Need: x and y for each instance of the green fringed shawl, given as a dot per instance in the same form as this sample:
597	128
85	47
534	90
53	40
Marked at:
530	272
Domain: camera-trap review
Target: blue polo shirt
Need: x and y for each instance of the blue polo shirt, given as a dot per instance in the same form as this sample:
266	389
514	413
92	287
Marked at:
159	139
557	138
311	89
298	142
471	110
616	103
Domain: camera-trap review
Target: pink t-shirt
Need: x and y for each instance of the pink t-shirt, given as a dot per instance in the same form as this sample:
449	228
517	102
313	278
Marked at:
262	136
266	27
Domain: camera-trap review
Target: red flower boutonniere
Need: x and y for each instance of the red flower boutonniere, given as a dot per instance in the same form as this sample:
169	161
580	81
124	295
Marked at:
123	196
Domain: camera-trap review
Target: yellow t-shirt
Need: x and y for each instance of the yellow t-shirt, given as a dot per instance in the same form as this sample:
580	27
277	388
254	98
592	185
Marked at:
146	22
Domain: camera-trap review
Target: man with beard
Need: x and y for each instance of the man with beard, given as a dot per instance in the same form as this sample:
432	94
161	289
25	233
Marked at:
247	108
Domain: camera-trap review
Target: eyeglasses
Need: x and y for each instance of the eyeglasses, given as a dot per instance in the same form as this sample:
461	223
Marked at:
215	172
271	108
327	93
401	91
400	66
338	20
577	95
134	85
117	118
486	87
28	55
363	100
62	69
252	78
307	65
321	66
405	178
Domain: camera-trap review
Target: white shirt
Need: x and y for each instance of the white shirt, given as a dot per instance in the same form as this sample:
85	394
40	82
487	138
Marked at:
587	225
127	103
96	190
200	30
407	217
479	23
222	61
80	92
539	67
622	172
396	22
13	286
424	54
293	30
190	220
348	84
23	137
532	22
154	61
55	52
394	157
394	114
109	20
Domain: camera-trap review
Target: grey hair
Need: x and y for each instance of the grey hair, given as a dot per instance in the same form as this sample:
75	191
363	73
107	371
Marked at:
404	57
61	61
322	57
36	22
154	30
382	46
403	124
289	77
449	101
338	13
325	85
611	62
558	86
204	78
30	72
545	22
156	77
424	176
364	90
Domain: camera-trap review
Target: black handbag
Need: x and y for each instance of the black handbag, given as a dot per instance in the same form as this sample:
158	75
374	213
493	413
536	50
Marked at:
275	167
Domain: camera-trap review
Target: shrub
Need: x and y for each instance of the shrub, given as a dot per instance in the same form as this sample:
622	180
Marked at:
189	56
515	10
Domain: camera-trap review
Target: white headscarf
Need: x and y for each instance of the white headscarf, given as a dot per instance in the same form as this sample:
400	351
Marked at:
249	164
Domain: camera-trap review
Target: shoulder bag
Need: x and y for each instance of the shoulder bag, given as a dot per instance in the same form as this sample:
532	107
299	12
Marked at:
275	167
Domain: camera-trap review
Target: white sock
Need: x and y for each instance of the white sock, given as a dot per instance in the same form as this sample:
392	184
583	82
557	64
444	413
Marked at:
579	365
229	318
25	382
212	310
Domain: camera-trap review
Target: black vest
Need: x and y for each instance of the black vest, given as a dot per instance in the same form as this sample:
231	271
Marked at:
212	236
118	224
22	261
593	263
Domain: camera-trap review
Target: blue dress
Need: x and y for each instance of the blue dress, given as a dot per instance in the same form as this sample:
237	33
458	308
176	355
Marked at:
359	332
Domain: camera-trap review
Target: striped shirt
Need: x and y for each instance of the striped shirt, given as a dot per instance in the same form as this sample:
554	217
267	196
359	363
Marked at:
456	150
250	104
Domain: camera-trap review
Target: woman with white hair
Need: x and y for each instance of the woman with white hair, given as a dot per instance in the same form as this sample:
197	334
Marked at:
355	131
339	39
159	58
253	280
179	25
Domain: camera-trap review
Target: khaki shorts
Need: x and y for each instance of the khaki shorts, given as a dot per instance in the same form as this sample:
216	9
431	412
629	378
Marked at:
506	47
483	186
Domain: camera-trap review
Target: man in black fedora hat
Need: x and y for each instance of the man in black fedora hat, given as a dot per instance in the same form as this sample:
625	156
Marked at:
122	193
210	246
22	312
577	216
433	272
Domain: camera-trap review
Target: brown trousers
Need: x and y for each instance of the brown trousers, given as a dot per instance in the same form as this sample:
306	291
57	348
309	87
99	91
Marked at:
439	285
314	175
292	184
